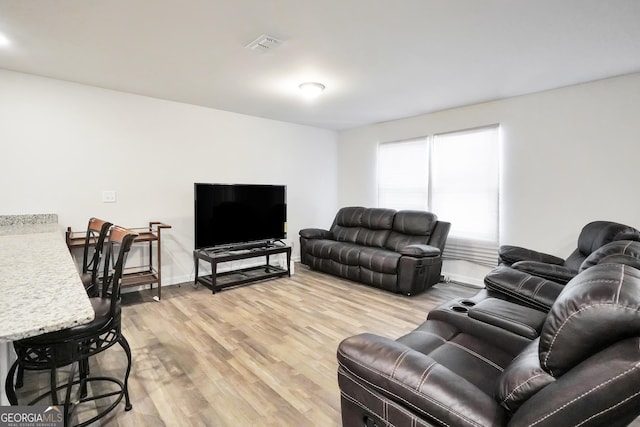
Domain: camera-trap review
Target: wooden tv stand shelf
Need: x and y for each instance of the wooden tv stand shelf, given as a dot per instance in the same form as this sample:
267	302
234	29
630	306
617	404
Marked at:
217	281
146	274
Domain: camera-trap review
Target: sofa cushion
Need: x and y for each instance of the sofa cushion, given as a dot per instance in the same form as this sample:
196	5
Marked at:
375	227
398	241
380	260
377	218
386	281
344	253
330	266
474	359
409	228
346	225
372	238
418	223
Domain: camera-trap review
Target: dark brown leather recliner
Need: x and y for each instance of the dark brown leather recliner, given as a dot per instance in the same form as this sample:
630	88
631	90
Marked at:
593	236
583	369
540	293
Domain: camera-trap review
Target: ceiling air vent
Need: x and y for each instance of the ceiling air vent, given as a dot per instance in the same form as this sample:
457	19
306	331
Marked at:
264	43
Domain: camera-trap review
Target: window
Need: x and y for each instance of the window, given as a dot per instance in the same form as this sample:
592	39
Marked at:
403	174
456	176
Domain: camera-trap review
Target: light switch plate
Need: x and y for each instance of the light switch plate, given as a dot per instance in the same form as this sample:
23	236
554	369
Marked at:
108	196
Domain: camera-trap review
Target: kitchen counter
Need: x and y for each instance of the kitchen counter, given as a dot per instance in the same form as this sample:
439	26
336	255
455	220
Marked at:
40	288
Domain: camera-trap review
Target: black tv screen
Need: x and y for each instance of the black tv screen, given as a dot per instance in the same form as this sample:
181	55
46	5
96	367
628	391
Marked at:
227	214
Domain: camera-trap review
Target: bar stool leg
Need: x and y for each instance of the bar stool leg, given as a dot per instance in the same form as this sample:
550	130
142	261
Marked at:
84	373
125	345
69	406
9	387
20	378
53	379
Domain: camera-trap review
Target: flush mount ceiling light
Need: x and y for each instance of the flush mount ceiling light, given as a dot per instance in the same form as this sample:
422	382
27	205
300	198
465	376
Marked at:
311	89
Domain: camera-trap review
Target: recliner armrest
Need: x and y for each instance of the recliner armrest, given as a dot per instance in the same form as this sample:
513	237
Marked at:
418	250
533	291
519	319
316	233
511	254
400	374
557	273
440	233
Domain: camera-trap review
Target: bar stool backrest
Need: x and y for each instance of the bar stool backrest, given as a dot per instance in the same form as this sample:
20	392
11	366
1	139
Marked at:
97	231
118	247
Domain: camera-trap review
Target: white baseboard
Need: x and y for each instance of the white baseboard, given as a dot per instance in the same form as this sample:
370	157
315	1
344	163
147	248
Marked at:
465	280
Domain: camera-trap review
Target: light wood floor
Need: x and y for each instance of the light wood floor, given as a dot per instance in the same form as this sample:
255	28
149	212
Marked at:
259	355
263	354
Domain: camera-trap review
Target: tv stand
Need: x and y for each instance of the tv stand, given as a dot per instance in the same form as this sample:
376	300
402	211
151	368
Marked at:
218	281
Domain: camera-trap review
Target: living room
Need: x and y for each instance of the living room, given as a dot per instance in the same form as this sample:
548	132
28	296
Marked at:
568	157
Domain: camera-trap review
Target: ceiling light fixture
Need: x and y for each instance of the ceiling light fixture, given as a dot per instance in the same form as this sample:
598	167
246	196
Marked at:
4	40
311	89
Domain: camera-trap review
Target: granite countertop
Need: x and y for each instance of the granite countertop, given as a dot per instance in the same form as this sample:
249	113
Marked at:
40	288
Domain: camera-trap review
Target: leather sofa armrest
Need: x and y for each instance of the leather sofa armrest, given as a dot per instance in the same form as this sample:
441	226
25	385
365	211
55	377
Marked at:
316	233
512	254
440	234
418	250
524	321
557	273
533	291
400	374
609	379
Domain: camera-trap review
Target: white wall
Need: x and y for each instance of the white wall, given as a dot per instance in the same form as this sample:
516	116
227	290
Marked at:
569	156
62	144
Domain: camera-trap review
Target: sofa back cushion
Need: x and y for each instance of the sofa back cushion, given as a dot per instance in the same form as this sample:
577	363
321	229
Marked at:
598	307
346	224
411	227
598	233
619	252
375	227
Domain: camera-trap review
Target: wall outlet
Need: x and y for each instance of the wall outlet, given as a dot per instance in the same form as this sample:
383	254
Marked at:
108	196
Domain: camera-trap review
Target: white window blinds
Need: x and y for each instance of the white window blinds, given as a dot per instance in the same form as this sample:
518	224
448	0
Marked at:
465	191
403	174
454	175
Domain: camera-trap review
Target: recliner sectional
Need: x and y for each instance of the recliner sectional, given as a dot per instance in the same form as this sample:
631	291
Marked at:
500	359
593	236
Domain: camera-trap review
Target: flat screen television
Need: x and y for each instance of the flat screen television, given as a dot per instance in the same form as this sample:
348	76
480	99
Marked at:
231	214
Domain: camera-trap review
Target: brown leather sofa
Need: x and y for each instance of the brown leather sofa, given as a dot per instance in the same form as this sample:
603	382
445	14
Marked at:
491	362
398	251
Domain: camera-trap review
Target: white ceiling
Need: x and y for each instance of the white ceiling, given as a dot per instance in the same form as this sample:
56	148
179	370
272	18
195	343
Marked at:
379	59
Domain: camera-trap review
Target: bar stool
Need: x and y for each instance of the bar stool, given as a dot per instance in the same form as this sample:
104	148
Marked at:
97	231
77	344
